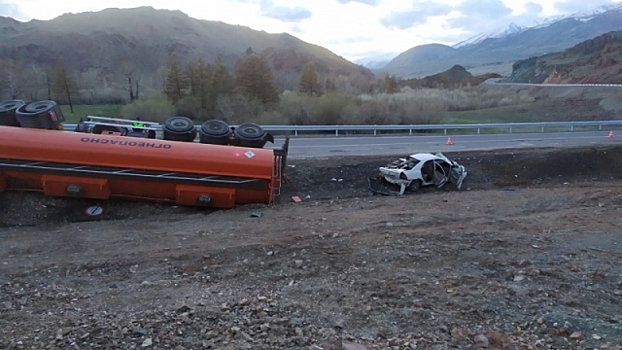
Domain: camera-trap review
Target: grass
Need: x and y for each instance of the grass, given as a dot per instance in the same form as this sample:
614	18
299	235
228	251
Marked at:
80	111
490	115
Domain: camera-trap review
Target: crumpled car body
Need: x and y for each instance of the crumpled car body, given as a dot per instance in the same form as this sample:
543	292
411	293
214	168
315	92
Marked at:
423	169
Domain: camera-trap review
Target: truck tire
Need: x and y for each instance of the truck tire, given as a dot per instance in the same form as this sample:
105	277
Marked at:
40	115
215	132
179	129
251	135
7	112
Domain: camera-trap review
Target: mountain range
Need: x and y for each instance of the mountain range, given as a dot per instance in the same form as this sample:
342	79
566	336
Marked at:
115	41
496	52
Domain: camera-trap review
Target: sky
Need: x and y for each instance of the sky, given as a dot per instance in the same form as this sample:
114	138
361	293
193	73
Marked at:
351	28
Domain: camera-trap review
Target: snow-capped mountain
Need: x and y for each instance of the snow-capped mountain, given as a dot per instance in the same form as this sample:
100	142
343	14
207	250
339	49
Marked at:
512	28
497	51
376	61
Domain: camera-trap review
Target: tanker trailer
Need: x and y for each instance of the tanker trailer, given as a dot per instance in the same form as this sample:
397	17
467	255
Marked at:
100	166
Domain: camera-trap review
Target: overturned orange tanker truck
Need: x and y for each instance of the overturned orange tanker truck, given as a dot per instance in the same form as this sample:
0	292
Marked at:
116	158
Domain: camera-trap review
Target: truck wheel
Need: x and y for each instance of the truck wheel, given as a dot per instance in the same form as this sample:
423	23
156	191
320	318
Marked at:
7	112
40	115
215	132
251	135
179	129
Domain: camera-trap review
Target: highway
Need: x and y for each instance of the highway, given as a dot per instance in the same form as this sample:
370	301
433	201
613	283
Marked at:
322	147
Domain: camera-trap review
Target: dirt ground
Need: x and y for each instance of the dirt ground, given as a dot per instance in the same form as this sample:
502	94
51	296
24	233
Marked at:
526	256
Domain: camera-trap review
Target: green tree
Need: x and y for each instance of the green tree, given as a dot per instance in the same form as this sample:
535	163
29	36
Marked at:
329	84
198	73
254	79
176	82
220	84
391	84
309	83
64	85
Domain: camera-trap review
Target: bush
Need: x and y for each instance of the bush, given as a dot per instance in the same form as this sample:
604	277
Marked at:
236	109
153	107
190	106
329	108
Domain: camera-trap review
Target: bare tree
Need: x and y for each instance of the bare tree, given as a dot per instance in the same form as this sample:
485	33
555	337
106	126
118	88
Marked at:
36	78
12	79
64	84
89	81
133	86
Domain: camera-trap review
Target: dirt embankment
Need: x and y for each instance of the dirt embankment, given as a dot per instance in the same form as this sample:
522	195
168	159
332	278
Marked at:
528	257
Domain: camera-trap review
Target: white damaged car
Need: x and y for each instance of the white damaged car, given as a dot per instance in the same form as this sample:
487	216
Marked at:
421	169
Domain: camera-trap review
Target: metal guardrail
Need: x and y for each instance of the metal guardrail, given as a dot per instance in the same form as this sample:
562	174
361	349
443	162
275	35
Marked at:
507	82
422	127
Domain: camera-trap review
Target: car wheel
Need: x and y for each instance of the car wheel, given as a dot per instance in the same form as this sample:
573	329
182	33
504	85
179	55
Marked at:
414	186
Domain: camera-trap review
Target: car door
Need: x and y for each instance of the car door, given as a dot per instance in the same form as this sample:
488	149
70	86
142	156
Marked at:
441	173
457	174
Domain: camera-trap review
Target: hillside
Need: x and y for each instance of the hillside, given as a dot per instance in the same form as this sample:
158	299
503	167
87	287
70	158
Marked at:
598	60
114	41
496	53
455	77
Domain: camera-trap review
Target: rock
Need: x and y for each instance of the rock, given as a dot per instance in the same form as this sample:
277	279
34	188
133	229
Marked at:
298	263
211	335
578	335
247	337
389	224
394	342
353	346
481	341
148	342
523	263
256	214
7	305
457	333
183	308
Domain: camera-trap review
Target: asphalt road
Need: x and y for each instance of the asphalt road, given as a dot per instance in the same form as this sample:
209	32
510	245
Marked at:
321	147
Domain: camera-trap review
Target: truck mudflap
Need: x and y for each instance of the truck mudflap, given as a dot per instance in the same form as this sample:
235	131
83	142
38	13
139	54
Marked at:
378	185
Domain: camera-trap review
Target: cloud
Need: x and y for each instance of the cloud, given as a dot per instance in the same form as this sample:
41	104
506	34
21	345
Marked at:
14	11
366	2
533	9
283	13
484	9
357	39
418	15
297	29
571	6
483	15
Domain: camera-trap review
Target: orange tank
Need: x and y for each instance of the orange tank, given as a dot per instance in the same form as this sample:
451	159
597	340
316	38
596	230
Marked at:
61	163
